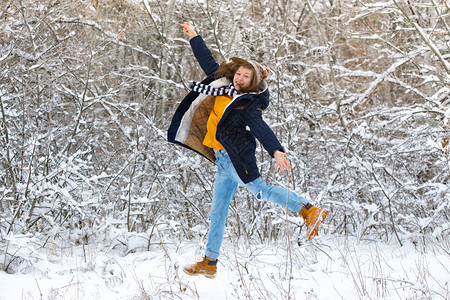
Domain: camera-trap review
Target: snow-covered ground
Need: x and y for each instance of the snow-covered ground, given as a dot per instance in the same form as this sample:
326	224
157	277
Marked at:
332	267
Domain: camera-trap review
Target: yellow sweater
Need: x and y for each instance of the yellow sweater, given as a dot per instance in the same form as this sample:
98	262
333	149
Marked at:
213	120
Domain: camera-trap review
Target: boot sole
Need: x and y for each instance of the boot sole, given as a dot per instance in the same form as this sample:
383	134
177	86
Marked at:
209	276
320	219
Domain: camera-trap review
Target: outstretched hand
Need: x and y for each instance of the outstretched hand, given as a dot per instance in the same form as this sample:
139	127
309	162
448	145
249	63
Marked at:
188	29
282	162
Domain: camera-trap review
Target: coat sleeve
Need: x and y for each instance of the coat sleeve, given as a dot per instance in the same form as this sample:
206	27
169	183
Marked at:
203	55
262	131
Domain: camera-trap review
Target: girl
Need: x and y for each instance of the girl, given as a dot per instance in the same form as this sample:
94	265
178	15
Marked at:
220	119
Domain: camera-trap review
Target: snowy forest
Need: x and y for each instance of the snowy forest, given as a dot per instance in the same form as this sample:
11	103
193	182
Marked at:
360	100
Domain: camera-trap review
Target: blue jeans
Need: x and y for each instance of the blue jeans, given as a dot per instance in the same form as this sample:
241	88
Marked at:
225	186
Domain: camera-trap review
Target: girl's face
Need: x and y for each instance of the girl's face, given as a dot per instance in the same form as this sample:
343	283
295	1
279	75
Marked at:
242	78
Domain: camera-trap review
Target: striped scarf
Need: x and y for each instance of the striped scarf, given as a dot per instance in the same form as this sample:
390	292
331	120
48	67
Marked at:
209	90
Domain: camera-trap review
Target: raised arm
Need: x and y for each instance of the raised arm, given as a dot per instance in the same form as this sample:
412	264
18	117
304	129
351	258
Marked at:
201	51
189	30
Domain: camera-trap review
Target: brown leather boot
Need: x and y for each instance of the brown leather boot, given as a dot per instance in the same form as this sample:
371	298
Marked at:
313	216
206	267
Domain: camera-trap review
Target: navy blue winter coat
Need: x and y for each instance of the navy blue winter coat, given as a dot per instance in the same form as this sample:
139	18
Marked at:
240	124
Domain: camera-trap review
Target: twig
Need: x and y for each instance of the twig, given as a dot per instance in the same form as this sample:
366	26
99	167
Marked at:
39	288
243	284
289	260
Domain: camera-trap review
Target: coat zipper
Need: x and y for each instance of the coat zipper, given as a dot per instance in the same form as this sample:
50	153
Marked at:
239	156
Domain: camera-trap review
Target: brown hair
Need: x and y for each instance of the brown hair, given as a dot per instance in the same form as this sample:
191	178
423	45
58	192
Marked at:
228	69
